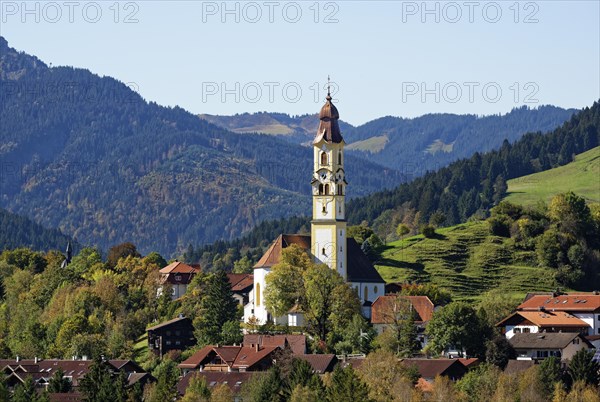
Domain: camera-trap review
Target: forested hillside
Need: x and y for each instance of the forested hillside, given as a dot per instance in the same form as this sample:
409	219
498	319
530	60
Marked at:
412	146
89	156
472	186
18	231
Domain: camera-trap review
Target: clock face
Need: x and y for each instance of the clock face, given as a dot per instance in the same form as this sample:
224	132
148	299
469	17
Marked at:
323	176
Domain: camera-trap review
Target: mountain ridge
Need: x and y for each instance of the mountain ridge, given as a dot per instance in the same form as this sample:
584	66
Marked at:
89	156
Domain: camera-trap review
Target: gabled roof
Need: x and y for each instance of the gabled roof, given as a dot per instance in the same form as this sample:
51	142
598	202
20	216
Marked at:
41	370
430	368
237	357
383	308
320	363
179	267
570	302
297	342
273	254
470	362
249	356
240	282
545	340
167	323
360	268
544	319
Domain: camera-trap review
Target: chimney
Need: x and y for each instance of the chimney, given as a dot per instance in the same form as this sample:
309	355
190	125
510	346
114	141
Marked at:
84	357
74	357
18	358
257	347
35	360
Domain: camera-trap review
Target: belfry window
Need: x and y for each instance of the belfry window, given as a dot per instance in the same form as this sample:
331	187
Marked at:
340	189
323	158
326	189
339	157
320	189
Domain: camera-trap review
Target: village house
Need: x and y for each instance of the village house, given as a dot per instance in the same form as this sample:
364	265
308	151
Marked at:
537	346
431	368
541	321
386	309
241	286
177	276
230	358
327	243
16	371
585	306
175	334
297	343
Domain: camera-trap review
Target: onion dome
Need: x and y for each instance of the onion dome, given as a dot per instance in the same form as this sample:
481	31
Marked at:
329	129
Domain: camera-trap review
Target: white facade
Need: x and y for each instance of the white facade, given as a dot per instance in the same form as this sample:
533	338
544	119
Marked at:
593	320
512	329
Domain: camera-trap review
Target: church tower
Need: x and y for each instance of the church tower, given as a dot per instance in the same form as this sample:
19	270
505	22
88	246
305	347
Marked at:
328	225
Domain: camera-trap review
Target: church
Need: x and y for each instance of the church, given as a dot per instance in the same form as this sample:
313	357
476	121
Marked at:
327	242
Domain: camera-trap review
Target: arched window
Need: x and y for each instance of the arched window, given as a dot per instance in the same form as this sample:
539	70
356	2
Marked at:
326	189
320	189
257	295
323	158
366	293
339	157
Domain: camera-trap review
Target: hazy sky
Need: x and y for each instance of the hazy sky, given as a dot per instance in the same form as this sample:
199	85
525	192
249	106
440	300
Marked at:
397	58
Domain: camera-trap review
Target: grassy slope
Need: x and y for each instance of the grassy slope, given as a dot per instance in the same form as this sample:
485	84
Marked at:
581	176
466	260
372	145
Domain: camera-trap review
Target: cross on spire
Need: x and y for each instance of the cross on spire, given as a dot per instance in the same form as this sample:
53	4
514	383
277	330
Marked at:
328	86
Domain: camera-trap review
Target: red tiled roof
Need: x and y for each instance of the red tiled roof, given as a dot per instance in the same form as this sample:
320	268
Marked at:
297	342
273	254
320	363
383	308
179	267
237	357
570	302
194	360
545	319
248	356
42	368
240	282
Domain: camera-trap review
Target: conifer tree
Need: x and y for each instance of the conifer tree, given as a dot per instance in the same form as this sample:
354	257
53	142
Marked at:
345	385
217	307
